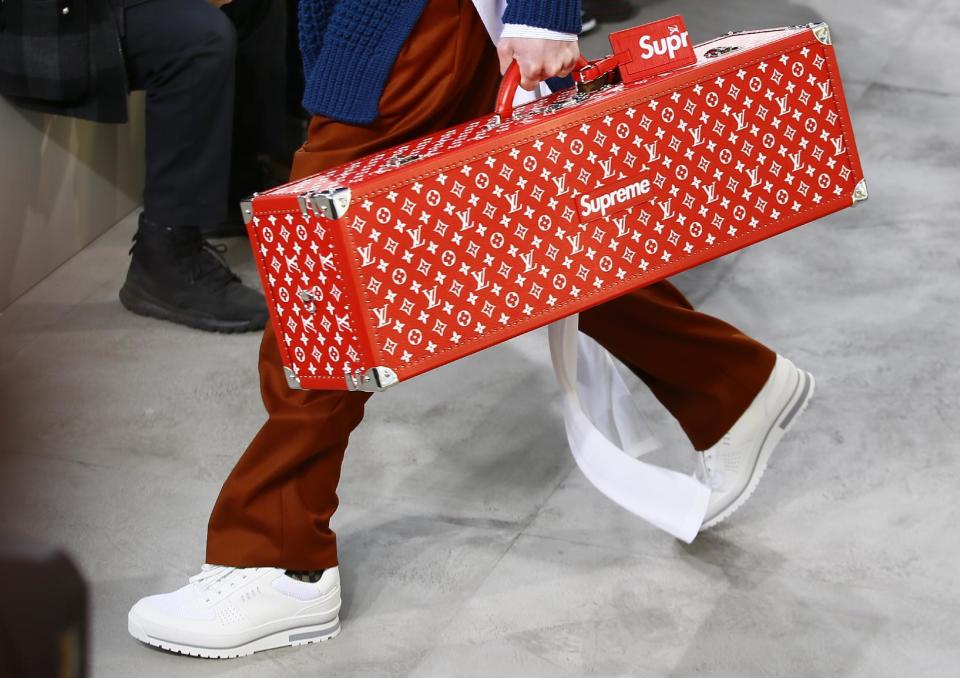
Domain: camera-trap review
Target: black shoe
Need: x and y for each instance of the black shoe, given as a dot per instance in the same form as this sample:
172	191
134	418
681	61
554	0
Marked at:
178	276
587	22
609	11
231	228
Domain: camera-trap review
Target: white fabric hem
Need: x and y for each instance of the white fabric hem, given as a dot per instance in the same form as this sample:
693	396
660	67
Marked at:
524	31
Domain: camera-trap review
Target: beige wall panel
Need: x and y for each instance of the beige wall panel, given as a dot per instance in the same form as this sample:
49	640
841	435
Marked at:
63	182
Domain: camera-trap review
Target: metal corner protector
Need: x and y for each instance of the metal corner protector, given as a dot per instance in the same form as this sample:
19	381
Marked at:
246	210
860	192
293	381
374	380
821	32
332	203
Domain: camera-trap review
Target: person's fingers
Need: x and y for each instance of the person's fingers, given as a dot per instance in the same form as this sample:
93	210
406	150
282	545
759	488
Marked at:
529	84
531	73
557	69
505	55
538	59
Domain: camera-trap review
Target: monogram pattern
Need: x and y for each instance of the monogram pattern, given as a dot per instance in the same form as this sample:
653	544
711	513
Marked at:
615	196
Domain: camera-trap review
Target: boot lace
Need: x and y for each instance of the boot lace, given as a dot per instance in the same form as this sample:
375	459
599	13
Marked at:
202	259
208	265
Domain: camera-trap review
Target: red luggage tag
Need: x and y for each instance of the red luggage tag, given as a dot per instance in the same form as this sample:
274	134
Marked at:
653	48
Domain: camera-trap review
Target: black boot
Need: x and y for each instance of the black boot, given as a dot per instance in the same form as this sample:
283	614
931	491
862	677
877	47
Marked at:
609	11
178	276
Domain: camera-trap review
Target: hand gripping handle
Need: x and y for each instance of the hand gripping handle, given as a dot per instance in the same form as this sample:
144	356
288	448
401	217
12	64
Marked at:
511	83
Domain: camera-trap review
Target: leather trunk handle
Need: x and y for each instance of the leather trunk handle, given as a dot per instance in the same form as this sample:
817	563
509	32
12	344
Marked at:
511	83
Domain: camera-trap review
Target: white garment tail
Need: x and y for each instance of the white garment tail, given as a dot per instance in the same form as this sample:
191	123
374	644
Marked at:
604	429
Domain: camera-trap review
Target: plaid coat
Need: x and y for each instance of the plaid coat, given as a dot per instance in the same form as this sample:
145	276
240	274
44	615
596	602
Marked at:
65	57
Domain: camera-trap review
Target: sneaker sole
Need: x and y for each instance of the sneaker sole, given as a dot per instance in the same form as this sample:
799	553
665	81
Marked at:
795	406
143	304
303	635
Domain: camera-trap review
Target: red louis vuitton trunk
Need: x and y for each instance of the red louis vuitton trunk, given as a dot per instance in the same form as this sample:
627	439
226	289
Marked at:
400	262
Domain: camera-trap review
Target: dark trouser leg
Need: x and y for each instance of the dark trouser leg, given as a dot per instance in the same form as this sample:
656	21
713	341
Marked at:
704	371
182	53
260	117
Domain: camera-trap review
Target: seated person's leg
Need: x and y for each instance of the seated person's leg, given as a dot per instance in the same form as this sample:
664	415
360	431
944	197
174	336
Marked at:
182	53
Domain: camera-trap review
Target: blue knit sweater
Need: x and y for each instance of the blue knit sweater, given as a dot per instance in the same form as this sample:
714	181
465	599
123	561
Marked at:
349	47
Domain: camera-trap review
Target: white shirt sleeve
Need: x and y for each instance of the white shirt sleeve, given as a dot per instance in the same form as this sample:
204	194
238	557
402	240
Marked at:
524	31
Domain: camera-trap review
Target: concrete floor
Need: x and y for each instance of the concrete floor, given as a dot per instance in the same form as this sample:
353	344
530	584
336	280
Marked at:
471	545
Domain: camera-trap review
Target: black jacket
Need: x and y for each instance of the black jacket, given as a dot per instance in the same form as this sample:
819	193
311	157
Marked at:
65	56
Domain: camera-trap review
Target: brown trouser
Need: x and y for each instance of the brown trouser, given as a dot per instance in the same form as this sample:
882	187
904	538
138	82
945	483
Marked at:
274	509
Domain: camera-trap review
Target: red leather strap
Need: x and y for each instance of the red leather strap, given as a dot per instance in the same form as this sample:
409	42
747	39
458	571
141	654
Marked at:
595	69
511	83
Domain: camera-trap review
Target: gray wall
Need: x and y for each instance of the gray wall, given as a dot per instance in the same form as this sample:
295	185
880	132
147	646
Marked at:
63	182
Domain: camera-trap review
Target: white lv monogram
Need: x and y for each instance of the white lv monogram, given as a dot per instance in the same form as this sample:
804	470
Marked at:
607	166
621	224
561	183
527	260
782	101
481	278
711	192
382	314
366	255
652	151
697	134
465	223
797	162
431	296
666	208
416	236
837	145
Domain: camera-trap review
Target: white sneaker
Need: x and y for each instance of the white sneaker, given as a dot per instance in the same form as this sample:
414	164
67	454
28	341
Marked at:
733	467
231	612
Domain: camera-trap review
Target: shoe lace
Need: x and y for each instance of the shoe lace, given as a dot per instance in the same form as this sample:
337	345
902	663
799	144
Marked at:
214	580
209	265
203	258
706	471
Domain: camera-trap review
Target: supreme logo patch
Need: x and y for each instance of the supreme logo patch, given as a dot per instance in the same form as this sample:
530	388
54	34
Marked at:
606	200
653	48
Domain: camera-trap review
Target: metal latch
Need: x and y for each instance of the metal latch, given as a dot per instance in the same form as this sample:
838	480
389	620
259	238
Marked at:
566	103
598	74
331	203
401	160
373	380
308	297
720	51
